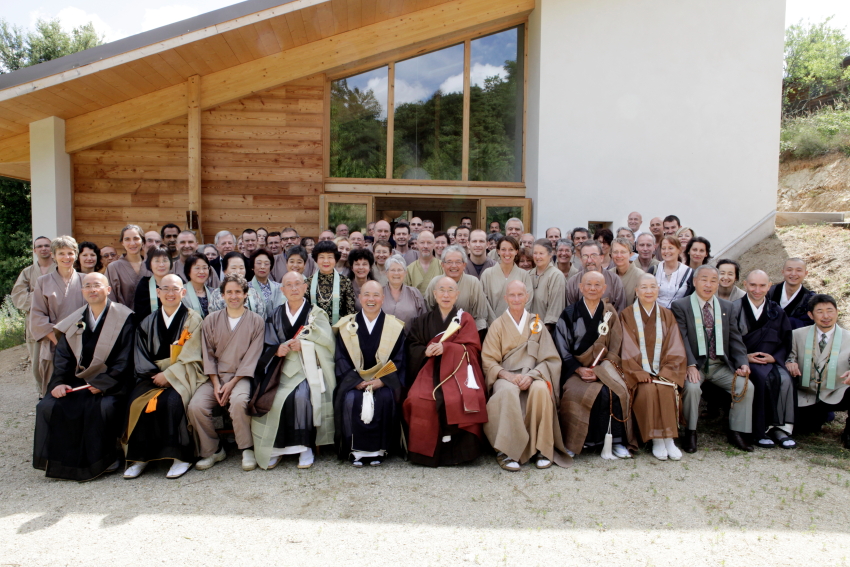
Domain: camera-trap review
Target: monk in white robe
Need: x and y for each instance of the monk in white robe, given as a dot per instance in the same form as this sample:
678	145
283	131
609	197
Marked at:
520	363
233	342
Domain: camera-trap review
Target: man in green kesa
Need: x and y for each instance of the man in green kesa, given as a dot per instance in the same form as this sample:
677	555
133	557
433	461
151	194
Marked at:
820	360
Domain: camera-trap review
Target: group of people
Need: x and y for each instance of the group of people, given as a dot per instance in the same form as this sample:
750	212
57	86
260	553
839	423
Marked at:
402	340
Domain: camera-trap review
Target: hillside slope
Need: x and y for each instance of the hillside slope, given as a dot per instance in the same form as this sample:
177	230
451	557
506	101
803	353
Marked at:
819	184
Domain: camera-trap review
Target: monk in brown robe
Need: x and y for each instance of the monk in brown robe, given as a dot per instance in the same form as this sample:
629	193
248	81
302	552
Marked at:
520	364
654	363
594	399
446	406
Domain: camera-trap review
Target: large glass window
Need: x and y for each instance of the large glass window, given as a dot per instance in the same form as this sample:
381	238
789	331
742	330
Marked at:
496	107
428	119
359	126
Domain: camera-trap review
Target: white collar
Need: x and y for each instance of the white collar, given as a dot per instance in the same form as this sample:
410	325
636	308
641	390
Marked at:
757	311
783	299
91	320
294	316
168	319
588	308
521	325
819	333
703	302
648	313
370	325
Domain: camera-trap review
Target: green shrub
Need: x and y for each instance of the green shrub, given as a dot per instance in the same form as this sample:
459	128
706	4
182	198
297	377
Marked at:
12	325
817	133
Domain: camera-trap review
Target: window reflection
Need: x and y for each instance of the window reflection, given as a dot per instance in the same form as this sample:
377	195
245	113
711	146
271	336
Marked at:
359	125
428	119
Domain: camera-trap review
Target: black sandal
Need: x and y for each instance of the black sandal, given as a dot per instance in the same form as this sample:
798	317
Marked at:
782	439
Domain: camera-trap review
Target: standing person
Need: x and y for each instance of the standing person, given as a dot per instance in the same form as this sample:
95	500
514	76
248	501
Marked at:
234	264
605	237
57	294
441	240
446	406
624	232
580	236
124	274
645	246
634	220
274	243
290	239
716	353
344	247
478	260
671	225
416	225
262	263
697	252
553	235
819	359
88	258
402	301
22	298
197	271
629	274
471	296
292	404
766	333
357	240
76	432
108	254
594	398
361	272
187	245
428	225
146	301
232	344
308	243
791	295
548	285
169	233
381	250
250	242
494	280
466	221
166	380
225	243
591	258
495	227
462	237
426	267
327	289
296	261
564	258
729	271
685	235
672	276
341	230
382	231
262	237
654	362
401	234
370	372
520	366
152	238
525	258
656	228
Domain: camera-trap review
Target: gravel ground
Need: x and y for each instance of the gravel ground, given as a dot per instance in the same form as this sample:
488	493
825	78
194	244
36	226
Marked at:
717	507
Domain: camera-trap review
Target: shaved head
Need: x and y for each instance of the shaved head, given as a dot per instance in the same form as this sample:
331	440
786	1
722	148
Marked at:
97	277
592	276
759	276
171	279
292	277
447	281
515	285
372	286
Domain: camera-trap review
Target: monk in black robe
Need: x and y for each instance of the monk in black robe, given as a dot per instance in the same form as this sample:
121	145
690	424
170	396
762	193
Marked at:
443	412
791	295
364	375
766	331
76	433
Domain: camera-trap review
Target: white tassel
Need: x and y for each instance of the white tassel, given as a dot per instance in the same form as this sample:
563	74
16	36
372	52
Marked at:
607	453
470	378
367	412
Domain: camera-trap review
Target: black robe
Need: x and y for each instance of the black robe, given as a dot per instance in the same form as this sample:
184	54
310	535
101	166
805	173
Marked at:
575	333
142	301
76	436
798	309
771	334
164	433
382	433
464	446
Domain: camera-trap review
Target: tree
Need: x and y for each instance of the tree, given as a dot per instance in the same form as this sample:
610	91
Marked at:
19	49
814	65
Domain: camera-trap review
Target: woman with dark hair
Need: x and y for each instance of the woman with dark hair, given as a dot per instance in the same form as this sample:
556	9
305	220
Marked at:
262	263
343	244
296	259
525	258
308	243
234	263
88	259
197	271
605	237
381	250
549	285
729	272
125	272
326	288
158	262
495	279
673	277
697	252
361	262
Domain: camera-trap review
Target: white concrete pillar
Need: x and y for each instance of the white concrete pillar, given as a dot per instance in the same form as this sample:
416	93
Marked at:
50	170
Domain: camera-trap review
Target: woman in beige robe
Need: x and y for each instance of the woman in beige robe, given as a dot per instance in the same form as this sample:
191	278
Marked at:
495	279
124	273
57	294
402	301
654	373
548	285
629	273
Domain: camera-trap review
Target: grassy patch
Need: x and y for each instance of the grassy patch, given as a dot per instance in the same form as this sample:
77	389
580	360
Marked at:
12	325
818	133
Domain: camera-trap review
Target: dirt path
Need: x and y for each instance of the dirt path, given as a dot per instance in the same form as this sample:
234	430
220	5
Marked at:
718	507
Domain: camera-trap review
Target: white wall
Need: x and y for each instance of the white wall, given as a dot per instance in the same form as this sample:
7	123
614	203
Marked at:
50	168
660	106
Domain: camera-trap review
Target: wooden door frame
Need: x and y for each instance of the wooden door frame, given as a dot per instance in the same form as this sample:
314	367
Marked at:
523	202
327	199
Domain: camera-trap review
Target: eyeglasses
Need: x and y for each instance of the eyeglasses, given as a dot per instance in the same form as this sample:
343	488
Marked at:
589	256
170	289
453	262
88	287
203	268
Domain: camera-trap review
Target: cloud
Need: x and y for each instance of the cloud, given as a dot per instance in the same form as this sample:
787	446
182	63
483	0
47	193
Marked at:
410	92
477	74
72	17
158	17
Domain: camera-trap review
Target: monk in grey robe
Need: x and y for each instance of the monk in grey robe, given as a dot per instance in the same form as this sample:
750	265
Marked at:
292	404
548	284
520	363
471	298
591	256
233	342
124	273
79	421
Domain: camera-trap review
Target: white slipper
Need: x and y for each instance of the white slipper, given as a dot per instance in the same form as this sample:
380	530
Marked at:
621	452
178	469
673	452
659	450
305	459
134	470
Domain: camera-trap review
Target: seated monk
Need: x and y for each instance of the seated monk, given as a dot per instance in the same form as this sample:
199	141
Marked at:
594	396
368	385
446	405
166	380
77	431
520	362
654	364
292	404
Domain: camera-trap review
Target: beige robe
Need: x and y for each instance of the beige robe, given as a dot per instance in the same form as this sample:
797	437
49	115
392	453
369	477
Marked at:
522	422
179	269
409	306
613	291
419	278
470	298
279	270
379	275
808	396
652	263
123	280
494	283
22	300
549	297
52	301
630	281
